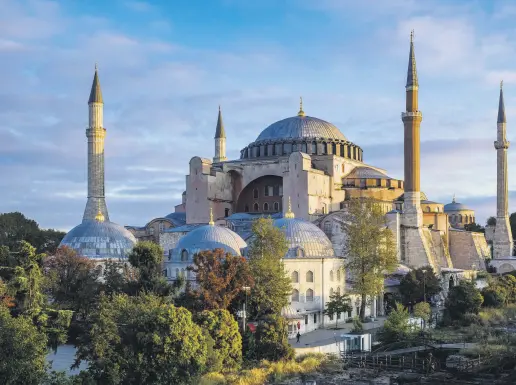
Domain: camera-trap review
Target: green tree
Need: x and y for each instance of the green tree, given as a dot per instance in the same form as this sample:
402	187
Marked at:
396	327
475	227
494	296
491	221
223	329
508	282
23	350
270	341
147	258
119	278
463	299
338	303
15	227
220	278
422	310
272	287
370	247
142	340
418	283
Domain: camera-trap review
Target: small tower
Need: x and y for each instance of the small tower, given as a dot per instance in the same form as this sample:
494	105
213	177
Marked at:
503	242
96	134
220	141
412	118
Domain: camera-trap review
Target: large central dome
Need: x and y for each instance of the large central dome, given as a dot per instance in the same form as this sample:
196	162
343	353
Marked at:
301	127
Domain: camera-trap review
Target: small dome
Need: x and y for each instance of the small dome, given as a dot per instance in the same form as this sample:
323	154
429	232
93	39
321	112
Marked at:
99	240
210	237
455	206
178	219
305	240
366	173
297	127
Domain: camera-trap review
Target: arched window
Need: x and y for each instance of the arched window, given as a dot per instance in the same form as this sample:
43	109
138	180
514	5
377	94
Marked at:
183	273
295	295
331	291
309	276
314	148
338	275
151	230
303	148
427	209
256	207
226	212
460	218
276	206
309	295
294	147
338	290
334	149
246	208
255	193
294	277
331	276
161	227
177	273
324	148
265	206
184	255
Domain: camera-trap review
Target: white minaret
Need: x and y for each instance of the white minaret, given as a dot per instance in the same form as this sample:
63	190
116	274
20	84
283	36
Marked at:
96	205
502	243
220	141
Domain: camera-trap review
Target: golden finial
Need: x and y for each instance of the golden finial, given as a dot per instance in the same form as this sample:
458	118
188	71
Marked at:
412	36
211	223
501	84
96	66
99	217
289	214
301	112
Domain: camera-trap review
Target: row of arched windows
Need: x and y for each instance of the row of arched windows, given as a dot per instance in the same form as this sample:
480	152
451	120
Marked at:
309	276
309	296
463	219
185	273
266	207
314	148
338	275
332	291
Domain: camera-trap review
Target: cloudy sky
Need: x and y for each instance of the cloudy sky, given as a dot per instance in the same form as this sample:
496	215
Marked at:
165	66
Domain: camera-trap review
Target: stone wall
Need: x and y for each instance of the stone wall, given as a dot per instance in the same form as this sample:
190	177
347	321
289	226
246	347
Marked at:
468	250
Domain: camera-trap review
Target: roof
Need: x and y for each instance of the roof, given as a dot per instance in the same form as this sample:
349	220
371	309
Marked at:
412	70
219	131
297	127
184	228
178	219
455	206
210	237
95	93
401	198
366	173
501	107
100	240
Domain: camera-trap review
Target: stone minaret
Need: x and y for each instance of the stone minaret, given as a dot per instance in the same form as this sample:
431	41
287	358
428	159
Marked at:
96	205
411	118
502	243
220	141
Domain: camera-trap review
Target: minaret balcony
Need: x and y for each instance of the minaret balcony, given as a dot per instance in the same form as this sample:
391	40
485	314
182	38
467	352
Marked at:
504	144
411	114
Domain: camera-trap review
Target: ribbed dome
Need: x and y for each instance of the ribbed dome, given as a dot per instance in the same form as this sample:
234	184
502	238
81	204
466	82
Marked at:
455	206
301	127
210	237
99	240
305	240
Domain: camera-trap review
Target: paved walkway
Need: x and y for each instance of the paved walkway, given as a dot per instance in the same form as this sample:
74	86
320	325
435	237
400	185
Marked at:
326	335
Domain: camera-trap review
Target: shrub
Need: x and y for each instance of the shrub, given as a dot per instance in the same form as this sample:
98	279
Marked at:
213	378
270	340
463	299
494	296
358	326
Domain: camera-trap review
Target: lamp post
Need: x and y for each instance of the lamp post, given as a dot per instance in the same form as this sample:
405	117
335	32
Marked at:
244	313
424	285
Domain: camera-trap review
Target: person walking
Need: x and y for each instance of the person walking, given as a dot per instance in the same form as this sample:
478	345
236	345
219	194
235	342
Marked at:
298	336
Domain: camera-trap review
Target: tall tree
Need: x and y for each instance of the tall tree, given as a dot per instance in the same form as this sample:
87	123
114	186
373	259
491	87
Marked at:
220	278
338	303
396	327
272	286
370	247
463	299
270	341
418	284
142	340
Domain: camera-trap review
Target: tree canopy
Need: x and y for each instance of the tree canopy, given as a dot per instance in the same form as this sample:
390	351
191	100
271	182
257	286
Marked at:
463	299
417	283
370	247
338	303
396	327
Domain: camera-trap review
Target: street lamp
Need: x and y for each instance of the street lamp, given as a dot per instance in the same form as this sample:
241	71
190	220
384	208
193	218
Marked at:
244	313
424	285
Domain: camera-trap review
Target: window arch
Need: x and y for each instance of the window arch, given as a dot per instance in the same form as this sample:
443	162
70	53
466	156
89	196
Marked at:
255	193
338	275
276	206
309	276
161	227
256	207
184	255
265	206
331	276
314	148
303	148
460	218
331	291
295	295
338	290
309	295
294	277
334	148
427	209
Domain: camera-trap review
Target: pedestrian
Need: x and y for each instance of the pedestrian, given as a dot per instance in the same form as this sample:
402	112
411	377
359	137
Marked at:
298	336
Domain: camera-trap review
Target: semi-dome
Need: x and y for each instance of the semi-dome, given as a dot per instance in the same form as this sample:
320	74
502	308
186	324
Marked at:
305	239
210	237
99	240
301	127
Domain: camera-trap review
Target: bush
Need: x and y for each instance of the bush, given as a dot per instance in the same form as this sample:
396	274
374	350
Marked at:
270	340
463	299
494	296
358	326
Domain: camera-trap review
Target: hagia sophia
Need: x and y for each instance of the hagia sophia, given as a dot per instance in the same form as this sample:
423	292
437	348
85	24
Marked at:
302	172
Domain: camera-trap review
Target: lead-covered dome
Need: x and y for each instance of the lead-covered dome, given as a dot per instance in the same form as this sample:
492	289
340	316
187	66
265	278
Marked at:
209	237
305	239
100	240
455	206
301	127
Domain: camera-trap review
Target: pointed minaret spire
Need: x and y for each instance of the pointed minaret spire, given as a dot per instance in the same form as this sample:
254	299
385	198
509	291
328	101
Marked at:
95	93
412	70
301	112
220	140
501	106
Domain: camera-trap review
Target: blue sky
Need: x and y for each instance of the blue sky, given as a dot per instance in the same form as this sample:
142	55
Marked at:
165	66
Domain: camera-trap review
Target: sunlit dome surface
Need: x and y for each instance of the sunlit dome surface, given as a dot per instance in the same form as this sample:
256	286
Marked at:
297	127
100	240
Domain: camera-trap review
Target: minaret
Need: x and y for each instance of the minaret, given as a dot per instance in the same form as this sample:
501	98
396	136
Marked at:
220	141
502	243
96	205
411	118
